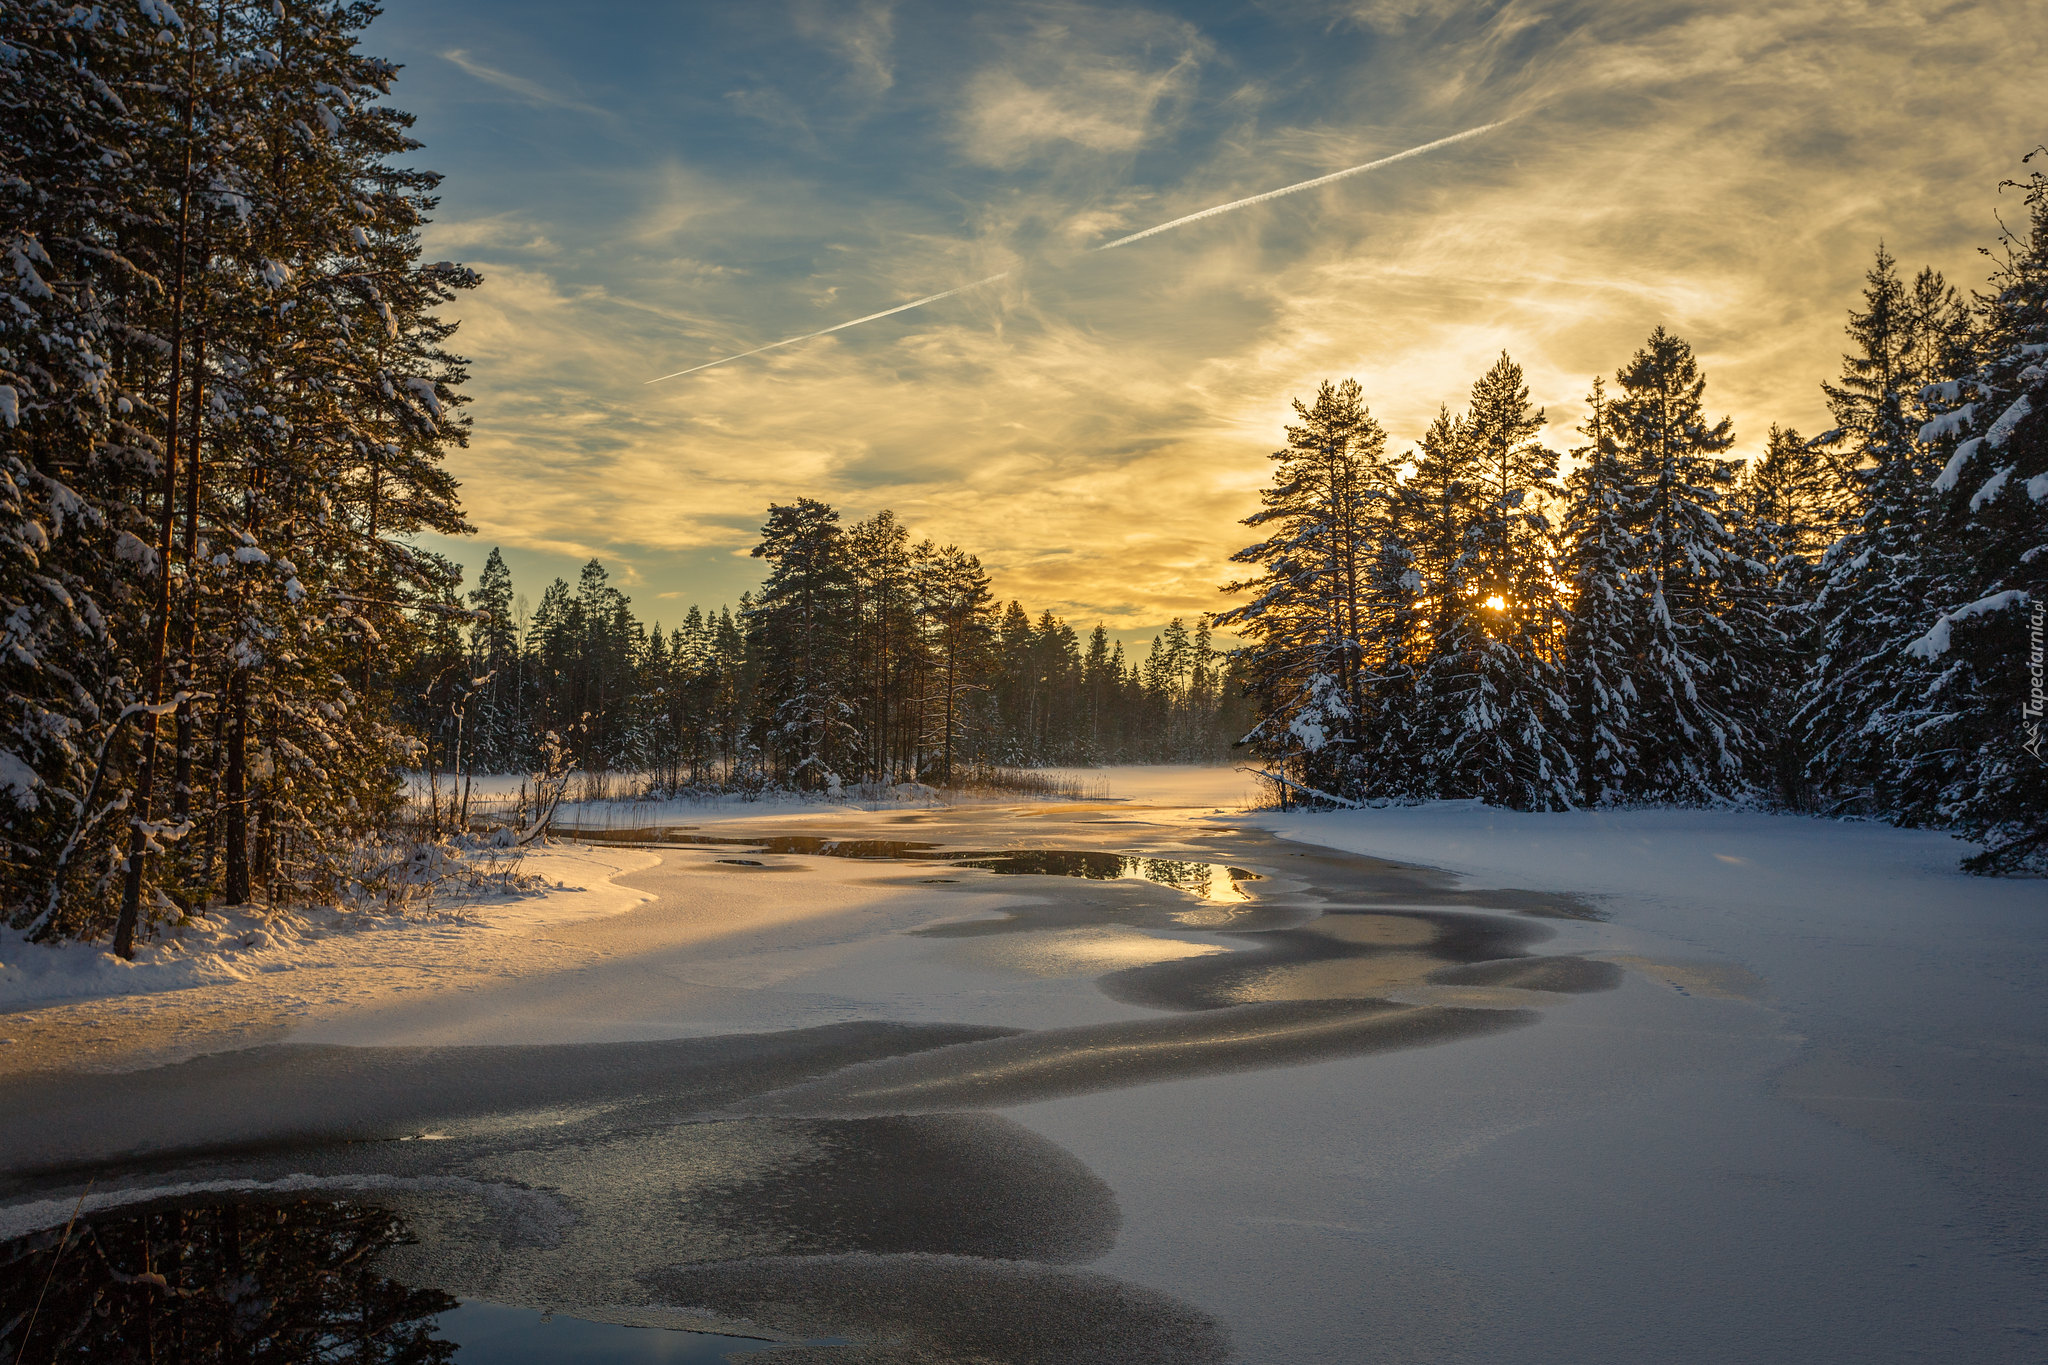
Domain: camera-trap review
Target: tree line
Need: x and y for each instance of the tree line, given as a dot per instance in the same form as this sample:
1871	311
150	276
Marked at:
225	396
1850	623
864	657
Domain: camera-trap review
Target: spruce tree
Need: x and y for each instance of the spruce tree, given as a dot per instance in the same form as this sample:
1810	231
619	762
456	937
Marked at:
1607	623
1690	740
1857	704
1786	512
802	628
1980	725
1491	710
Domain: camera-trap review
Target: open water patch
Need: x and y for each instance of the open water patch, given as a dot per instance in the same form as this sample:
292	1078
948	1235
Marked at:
496	1334
263	1278
1216	882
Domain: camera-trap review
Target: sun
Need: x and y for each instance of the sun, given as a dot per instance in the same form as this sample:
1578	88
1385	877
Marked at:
1497	603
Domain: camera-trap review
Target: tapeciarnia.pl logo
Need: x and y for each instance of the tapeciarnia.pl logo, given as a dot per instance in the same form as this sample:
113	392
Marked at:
2037	698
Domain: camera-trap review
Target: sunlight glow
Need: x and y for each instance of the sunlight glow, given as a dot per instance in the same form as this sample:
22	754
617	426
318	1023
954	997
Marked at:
1497	603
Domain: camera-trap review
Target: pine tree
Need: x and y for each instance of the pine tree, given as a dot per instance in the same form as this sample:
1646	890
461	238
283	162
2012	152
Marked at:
885	605
954	602
493	653
1304	623
236	256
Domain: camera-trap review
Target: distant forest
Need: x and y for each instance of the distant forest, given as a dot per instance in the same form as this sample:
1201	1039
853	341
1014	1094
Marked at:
863	658
1851	624
228	394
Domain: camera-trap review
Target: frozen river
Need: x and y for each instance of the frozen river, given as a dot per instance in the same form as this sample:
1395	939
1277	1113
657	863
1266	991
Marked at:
1138	1079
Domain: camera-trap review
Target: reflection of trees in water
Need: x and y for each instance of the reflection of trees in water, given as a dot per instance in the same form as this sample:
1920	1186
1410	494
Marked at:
1204	878
248	1283
1173	872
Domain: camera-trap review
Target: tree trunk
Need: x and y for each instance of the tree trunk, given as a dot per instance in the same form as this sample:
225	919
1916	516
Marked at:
160	614
234	790
181	783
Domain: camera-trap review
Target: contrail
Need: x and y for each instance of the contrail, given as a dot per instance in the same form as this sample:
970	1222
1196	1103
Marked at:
1110	246
838	327
1296	189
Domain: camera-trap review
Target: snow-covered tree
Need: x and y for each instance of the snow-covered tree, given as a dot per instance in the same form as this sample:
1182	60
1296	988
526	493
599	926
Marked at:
1786	511
1607	624
802	628
1690	740
1304	625
1861	694
223	321
1980	722
1489	706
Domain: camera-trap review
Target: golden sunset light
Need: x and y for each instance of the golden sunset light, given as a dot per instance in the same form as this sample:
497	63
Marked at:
1058	682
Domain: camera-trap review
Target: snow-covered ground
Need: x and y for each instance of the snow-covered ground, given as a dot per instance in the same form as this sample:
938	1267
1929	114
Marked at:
1811	1123
225	947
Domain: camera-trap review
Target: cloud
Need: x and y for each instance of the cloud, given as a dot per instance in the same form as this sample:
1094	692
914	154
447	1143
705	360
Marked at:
861	35
530	91
1105	82
498	231
1723	168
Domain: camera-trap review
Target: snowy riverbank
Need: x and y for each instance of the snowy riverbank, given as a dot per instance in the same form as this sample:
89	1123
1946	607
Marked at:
1790	1110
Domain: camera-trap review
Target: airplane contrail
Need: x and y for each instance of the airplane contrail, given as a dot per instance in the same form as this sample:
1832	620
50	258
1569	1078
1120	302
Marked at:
1296	189
836	327
1108	246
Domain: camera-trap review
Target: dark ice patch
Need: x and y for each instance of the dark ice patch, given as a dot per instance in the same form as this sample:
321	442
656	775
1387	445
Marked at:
1050	1063
291	1093
1564	975
953	1184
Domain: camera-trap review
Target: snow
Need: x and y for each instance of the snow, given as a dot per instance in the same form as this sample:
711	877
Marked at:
18	780
1948	424
541	1210
2008	421
1805	1127
224	948
1820	1086
1935	642
1695	864
1946	480
1993	486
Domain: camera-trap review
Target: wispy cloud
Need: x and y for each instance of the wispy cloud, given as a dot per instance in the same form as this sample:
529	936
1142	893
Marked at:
533	92
1103	81
1723	168
862	35
1139	236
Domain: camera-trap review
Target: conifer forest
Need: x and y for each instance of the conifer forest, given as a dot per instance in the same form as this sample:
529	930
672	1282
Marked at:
1023	682
229	394
864	658
1842	625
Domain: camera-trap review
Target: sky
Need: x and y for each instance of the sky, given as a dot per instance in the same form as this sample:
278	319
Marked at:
651	186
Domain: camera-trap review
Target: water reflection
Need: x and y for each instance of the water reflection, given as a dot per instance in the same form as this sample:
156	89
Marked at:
1210	881
278	1282
493	1334
260	1283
